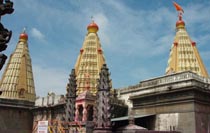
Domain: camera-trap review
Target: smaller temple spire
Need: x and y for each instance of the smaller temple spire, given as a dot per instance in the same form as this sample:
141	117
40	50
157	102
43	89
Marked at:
71	97
184	55
17	81
102	115
90	60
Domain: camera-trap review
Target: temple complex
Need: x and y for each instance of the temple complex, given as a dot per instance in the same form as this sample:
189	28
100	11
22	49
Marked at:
177	102
77	109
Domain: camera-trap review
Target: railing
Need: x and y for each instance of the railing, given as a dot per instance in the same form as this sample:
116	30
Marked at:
173	78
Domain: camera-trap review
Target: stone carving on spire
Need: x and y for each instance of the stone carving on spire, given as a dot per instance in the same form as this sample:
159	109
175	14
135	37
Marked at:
71	97
6	7
5	35
102	113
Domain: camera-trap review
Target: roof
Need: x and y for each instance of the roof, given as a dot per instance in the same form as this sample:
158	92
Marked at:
127	117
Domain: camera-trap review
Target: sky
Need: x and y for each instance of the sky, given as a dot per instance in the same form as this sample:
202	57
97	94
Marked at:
136	36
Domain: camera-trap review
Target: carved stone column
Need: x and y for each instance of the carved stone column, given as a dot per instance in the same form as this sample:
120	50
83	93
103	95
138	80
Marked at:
84	119
76	114
103	106
71	98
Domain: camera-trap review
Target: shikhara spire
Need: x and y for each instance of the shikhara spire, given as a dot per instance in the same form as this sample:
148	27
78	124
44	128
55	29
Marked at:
71	97
184	55
102	116
90	61
17	81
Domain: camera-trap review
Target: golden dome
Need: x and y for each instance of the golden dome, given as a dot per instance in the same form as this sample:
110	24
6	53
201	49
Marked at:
92	27
180	23
23	36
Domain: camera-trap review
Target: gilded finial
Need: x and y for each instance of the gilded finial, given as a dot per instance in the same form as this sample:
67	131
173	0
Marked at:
92	19
23	35
92	27
24	29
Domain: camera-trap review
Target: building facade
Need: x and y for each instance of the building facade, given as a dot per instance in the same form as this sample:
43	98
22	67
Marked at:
17	91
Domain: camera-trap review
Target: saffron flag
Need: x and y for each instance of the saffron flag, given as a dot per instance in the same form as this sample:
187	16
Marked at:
178	7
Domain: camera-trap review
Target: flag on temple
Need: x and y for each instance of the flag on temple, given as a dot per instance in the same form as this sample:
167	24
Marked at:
178	7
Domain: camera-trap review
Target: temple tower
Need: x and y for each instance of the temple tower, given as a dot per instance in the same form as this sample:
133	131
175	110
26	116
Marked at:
103	104
90	60
71	97
17	81
184	55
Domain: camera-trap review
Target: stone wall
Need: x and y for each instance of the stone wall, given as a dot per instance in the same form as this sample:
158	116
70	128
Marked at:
50	113
202	117
183	122
179	101
164	83
49	100
125	98
166	122
50	108
15	120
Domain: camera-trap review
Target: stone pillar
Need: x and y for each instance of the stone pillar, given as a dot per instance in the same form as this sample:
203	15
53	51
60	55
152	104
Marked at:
71	98
76	114
103	106
84	116
49	115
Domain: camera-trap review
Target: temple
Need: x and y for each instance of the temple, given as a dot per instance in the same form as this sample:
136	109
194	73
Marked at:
90	60
184	55
17	81
17	95
78	108
176	102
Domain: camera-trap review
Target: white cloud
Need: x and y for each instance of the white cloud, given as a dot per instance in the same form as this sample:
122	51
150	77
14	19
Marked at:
101	20
37	34
103	24
137	33
49	79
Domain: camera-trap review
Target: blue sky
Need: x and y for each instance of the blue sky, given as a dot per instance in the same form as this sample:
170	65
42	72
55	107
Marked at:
136	36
